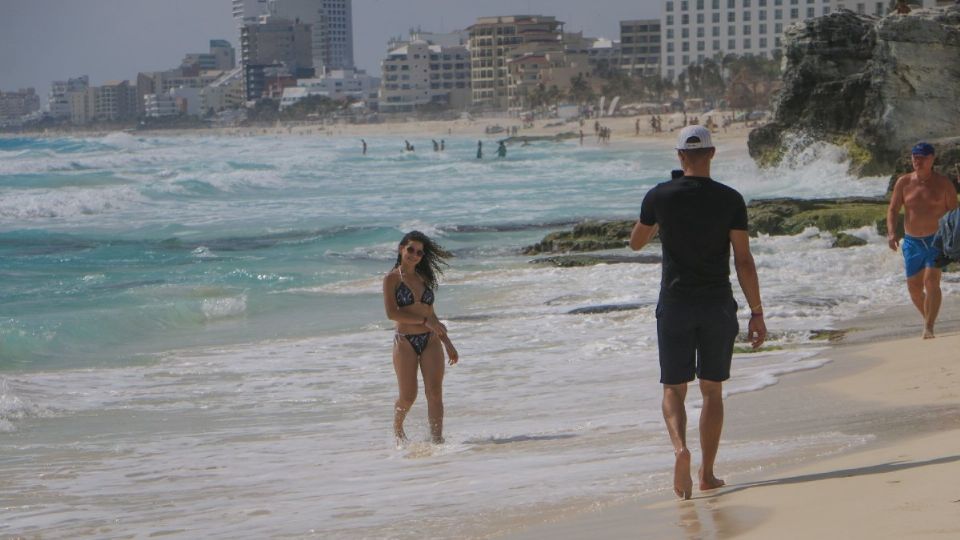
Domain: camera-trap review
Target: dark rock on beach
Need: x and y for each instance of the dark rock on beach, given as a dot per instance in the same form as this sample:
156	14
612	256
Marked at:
606	308
874	86
767	216
844	240
567	261
792	216
586	236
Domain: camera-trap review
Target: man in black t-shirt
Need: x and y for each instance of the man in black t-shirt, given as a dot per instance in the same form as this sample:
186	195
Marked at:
698	220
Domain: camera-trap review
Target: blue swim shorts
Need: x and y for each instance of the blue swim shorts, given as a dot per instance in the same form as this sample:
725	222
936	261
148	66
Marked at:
918	253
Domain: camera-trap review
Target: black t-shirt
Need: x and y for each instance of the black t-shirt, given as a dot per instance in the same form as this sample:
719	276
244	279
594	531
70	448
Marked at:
695	216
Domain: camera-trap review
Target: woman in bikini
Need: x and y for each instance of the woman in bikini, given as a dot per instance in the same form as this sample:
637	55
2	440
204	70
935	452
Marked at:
408	299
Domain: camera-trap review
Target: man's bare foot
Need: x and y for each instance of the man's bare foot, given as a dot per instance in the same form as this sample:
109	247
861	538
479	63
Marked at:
436	439
682	482
708	482
401	438
928	333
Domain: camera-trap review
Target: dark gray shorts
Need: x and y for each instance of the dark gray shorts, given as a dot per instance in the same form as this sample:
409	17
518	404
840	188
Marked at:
696	339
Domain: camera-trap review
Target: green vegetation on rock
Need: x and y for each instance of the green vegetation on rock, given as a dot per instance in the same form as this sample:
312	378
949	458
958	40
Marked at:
844	240
792	216
586	236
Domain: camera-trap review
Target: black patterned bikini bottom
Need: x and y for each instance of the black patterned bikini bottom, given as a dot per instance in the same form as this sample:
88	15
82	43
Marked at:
417	341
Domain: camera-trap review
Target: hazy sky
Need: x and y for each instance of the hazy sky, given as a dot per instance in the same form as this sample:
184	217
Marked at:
46	40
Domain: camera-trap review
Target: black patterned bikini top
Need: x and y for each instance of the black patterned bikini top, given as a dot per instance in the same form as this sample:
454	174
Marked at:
405	295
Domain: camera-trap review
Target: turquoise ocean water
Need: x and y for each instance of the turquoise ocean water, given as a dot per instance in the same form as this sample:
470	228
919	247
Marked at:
192	335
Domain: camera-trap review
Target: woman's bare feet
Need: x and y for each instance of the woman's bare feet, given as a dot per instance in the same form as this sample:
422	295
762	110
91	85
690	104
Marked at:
928	332
682	482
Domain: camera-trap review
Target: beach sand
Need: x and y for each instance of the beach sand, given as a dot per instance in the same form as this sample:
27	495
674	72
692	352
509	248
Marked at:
421	132
901	392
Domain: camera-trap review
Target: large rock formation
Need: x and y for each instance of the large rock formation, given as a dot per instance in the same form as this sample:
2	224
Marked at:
874	86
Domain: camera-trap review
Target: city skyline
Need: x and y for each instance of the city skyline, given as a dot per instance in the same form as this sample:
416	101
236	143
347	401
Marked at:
76	42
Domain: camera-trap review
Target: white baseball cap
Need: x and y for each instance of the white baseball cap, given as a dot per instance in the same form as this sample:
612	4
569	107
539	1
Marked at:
694	137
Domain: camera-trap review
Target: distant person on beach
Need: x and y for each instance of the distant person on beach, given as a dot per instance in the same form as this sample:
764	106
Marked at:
479	149
443	145
699	220
502	150
407	146
408	298
364	146
925	195
436	145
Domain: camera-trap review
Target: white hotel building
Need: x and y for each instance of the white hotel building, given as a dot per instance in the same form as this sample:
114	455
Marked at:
694	30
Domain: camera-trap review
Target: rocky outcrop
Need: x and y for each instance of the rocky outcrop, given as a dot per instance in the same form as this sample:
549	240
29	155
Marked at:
874	86
767	216
570	261
586	236
792	216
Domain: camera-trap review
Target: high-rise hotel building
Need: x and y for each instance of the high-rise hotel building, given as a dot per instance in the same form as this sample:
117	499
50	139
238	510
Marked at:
495	40
331	23
694	30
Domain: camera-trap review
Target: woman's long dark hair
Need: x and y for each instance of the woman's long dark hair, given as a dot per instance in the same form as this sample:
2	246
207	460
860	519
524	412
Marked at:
434	257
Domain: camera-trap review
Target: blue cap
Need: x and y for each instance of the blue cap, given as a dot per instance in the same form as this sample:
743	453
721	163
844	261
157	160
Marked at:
923	149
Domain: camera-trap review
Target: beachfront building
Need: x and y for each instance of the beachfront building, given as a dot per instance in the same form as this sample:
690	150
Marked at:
602	52
694	30
58	101
113	101
331	26
417	73
16	105
226	92
161	82
222	57
640	47
157	105
492	43
271	46
339	84
444	39
526	74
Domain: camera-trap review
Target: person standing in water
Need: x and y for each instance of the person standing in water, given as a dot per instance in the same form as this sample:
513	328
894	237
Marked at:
925	195
699	221
479	149
502	150
364	146
408	297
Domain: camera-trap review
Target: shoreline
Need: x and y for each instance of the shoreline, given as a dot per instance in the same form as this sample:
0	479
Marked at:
623	129
877	385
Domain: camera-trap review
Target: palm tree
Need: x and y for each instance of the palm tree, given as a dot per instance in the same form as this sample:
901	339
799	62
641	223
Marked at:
580	90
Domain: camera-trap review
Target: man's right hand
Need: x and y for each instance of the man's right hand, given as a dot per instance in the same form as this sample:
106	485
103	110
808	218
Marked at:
756	330
893	242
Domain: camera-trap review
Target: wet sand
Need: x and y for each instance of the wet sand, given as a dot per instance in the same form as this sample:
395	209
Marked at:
901	393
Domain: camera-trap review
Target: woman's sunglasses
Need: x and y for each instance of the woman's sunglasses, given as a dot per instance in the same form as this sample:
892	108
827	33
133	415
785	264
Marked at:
414	251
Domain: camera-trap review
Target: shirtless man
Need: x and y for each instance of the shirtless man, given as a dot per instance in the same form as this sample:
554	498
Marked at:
925	196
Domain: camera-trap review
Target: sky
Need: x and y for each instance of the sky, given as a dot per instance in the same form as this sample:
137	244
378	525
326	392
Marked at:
46	40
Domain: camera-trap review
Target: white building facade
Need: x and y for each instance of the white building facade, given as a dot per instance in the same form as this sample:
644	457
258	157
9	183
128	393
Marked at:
224	93
418	74
339	84
694	30
157	105
59	99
